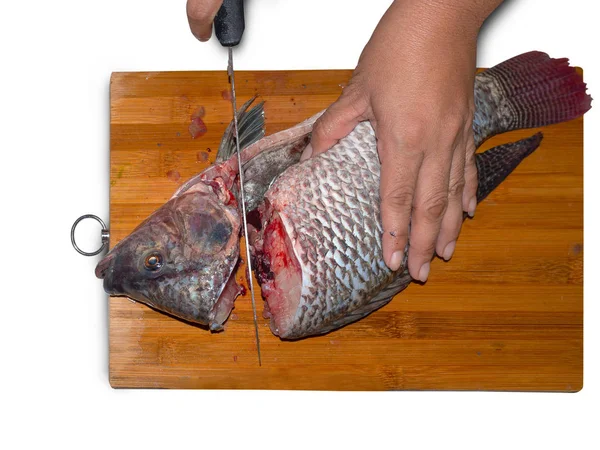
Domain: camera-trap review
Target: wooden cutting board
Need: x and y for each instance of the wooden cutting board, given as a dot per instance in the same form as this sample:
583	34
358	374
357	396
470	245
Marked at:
505	314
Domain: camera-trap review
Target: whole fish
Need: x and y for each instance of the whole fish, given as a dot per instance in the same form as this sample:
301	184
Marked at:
316	230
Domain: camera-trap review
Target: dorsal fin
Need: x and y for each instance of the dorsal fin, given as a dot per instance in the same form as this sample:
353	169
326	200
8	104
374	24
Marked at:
251	127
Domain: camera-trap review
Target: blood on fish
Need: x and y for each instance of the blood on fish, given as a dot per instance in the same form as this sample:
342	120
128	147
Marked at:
275	236
244	290
278	272
197	128
254	219
218	189
173	175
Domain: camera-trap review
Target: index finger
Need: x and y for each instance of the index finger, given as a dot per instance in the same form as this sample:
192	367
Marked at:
338	120
397	190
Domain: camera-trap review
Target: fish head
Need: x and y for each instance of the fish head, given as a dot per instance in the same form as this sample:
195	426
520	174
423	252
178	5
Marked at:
181	259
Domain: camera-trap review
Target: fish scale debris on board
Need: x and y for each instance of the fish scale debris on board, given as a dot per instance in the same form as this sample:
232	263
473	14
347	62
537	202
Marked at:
197	126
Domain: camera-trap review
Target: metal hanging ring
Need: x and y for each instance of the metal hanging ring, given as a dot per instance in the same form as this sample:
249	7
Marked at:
104	235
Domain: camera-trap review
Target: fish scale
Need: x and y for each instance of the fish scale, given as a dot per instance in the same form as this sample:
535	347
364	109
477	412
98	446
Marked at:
320	214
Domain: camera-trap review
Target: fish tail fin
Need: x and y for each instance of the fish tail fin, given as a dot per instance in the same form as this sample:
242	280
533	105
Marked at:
495	164
529	90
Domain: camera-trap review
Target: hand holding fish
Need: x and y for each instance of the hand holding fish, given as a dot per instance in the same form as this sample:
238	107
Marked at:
414	83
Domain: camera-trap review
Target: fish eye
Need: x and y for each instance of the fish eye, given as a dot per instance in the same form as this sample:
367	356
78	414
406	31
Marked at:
153	261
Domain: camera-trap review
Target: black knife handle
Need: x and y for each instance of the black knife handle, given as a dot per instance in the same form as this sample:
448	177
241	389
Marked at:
229	23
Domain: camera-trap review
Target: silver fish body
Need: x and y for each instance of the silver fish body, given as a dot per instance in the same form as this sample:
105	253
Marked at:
327	210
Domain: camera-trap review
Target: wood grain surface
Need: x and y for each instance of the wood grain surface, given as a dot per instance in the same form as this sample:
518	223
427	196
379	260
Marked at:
506	313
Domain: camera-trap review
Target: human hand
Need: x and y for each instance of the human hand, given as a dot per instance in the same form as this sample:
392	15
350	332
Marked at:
414	82
201	14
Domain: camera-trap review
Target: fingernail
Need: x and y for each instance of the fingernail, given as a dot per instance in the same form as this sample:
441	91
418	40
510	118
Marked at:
306	153
396	260
472	206
424	272
449	250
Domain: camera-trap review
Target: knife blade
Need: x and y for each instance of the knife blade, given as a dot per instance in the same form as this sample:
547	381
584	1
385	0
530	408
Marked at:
229	28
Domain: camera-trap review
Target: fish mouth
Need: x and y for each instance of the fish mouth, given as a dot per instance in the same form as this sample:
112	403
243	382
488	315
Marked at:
104	265
105	271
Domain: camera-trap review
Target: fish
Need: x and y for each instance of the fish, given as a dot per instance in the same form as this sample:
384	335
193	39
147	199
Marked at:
181	260
314	225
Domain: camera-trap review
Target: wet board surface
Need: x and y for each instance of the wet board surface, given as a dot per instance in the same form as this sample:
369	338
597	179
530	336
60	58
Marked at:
506	313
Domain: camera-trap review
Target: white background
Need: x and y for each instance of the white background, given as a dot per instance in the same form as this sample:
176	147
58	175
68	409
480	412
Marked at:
56	58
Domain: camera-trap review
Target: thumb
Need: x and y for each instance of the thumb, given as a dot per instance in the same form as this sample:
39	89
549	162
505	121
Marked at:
201	14
337	122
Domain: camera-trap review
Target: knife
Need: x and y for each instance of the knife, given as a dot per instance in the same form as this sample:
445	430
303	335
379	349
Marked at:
229	28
